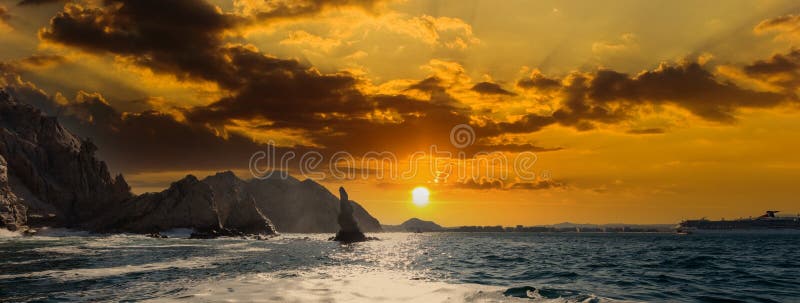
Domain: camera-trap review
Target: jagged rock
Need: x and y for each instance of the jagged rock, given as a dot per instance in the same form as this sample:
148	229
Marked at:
187	203
236	206
303	206
216	206
53	176
45	162
13	215
348	226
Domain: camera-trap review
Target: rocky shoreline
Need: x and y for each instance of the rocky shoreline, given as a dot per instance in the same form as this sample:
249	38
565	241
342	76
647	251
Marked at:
51	178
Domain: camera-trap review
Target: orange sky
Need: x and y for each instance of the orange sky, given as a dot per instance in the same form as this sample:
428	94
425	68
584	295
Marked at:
637	112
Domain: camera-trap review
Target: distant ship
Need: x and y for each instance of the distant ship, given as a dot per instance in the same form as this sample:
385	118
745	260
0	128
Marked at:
769	222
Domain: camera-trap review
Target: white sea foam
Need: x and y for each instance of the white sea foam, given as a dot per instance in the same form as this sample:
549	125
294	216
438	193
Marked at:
178	233
348	284
60	232
92	273
339	284
5	233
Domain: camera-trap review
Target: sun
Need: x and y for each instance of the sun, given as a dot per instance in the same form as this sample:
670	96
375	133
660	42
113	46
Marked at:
420	196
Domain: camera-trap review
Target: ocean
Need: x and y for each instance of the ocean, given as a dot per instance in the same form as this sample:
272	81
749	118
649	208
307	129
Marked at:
66	266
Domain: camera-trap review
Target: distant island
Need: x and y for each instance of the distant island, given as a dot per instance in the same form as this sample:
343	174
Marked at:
419	225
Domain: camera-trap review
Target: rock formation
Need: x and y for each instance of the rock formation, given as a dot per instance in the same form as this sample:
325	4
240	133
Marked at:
304	206
348	226
13	214
213	207
51	172
50	177
236	207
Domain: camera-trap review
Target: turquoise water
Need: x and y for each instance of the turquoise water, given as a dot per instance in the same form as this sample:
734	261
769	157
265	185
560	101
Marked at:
431	267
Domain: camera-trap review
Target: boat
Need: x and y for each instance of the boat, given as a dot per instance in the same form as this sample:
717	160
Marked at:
768	222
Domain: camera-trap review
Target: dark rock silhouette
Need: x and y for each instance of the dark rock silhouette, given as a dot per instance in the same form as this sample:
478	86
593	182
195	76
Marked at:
52	173
348	226
296	206
50	177
213	207
236	207
12	212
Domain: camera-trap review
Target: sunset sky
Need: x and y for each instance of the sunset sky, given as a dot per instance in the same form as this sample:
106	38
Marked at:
637	111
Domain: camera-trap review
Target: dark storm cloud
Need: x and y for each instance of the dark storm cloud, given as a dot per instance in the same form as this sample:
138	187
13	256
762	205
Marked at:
777	64
611	97
180	37
489	88
538	81
430	84
184	38
527	124
38	2
781	69
687	85
189	39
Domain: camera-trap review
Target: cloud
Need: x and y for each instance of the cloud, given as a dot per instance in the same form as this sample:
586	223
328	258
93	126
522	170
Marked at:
452	33
145	141
782	70
626	43
42	61
510	147
646	131
264	94
481	184
37	2
4	17
312	41
538	81
182	38
282	9
538	185
495	184
787	27
609	96
489	88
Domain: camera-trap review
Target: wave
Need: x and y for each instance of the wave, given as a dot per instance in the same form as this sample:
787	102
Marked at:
364	284
5	233
101	272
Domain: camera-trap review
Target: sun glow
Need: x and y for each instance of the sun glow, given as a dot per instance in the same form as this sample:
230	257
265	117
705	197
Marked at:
420	196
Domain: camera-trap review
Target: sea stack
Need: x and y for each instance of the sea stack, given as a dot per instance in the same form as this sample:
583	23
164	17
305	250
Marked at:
348	226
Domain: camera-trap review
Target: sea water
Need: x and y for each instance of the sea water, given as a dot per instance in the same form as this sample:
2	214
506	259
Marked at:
400	267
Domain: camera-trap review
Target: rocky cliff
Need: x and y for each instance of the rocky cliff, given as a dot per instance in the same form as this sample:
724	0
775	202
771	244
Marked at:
214	205
226	202
50	177
13	214
304	206
54	175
